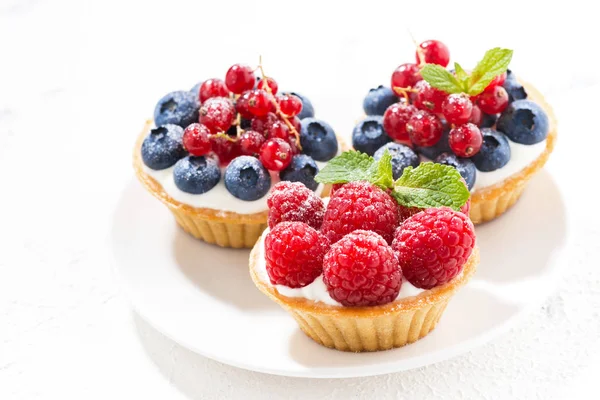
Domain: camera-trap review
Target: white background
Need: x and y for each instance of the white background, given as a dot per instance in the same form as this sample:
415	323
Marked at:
77	80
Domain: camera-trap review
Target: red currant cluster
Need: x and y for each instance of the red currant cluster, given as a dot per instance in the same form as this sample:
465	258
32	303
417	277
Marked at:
243	116
419	117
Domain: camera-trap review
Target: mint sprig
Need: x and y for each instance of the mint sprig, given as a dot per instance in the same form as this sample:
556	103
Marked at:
428	185
494	63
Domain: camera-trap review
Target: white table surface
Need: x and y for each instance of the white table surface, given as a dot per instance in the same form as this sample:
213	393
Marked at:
77	80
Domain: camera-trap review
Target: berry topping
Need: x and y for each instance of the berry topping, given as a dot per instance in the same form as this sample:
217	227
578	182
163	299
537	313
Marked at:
241	105
195	139
259	102
378	100
515	90
278	129
269	85
433	52
395	119
424	129
429	98
261	124
250	143
318	139
476	115
213	88
247	179
361	270
465	140
402	157
196	175
493	101
360	205
289	104
296	123
239	78
178	108
163	147
494	152
524	122
302	169
225	147
457	108
369	135
217	114
442	146
307	108
294	254
405	76
292	201
275	154
464	166
433	245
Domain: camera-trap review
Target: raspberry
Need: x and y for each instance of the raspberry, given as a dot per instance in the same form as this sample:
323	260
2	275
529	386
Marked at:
361	270
433	246
360	205
294	254
292	201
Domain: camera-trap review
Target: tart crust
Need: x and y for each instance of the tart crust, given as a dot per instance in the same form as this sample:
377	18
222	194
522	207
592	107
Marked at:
223	228
492	201
361	329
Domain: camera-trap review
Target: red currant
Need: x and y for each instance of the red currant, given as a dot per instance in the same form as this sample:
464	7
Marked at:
395	118
293	144
457	108
217	114
276	154
225	148
295	123
493	101
213	88
196	139
406	75
259	103
424	129
465	140
278	130
289	104
429	98
433	52
476	115
497	81
270	82
261	124
240	78
250	143
241	105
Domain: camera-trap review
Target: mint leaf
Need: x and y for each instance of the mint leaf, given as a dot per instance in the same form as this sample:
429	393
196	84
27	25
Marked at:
431	185
440	78
494	63
461	75
355	166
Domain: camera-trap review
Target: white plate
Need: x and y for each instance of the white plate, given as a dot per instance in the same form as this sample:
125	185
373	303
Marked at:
202	297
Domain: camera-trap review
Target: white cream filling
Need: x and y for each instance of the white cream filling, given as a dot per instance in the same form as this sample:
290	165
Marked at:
316	291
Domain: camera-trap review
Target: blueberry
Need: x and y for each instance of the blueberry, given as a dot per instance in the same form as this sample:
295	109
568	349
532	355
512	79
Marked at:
302	169
179	108
442	146
494	152
488	120
163	147
318	139
464	166
196	175
368	136
510	76
524	122
196	90
402	157
515	90
247	179
378	100
307	108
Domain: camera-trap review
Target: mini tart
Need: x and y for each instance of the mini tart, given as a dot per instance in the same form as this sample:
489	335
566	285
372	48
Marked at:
377	328
492	201
223	228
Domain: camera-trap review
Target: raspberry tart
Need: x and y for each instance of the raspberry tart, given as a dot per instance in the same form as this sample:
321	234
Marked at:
374	267
496	130
212	154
